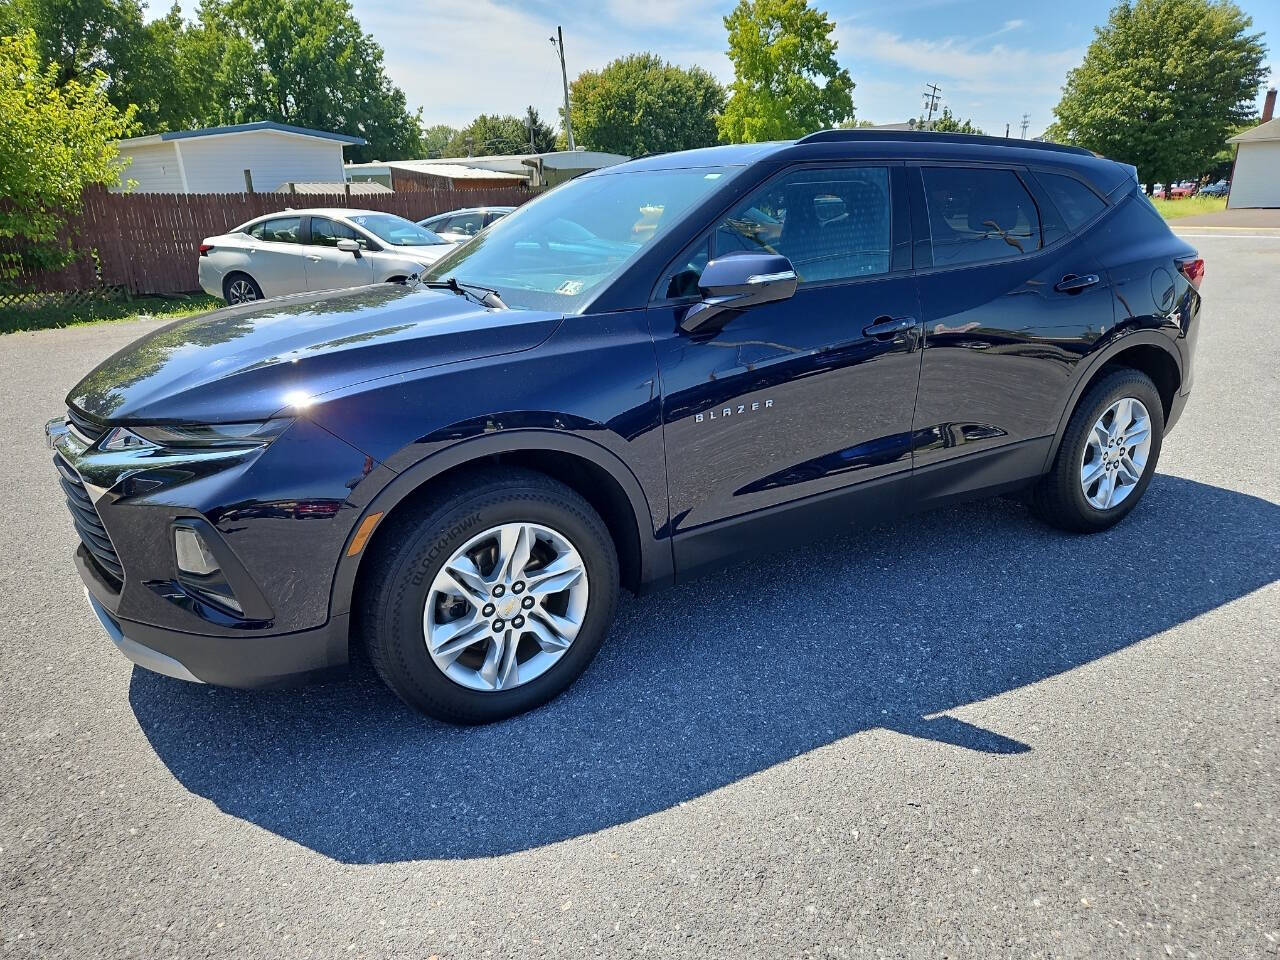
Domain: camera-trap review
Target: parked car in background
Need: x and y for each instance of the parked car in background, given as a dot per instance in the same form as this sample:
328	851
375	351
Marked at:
631	378
460	226
1219	189
322	249
1182	190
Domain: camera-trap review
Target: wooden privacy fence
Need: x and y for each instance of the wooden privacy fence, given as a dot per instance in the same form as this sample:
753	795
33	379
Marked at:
150	242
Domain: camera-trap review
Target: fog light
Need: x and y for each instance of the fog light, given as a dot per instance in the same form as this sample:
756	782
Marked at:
193	553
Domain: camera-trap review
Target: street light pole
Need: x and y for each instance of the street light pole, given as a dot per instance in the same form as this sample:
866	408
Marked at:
558	42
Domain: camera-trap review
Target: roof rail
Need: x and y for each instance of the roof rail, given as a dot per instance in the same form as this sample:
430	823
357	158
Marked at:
872	135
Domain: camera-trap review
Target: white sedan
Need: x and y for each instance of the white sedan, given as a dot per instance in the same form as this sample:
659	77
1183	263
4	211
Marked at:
323	249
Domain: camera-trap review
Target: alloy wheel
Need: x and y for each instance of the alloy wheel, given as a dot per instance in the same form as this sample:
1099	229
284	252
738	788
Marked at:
241	291
1115	453
505	607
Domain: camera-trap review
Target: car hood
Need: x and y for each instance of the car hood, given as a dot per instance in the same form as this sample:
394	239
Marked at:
253	360
424	254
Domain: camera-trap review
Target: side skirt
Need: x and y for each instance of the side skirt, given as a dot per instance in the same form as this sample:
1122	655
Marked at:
983	474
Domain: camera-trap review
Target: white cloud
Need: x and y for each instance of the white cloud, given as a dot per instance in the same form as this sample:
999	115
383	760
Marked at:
494	56
992	82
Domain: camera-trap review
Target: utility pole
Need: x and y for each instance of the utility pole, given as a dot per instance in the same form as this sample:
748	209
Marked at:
558	42
1026	122
1006	131
931	91
528	122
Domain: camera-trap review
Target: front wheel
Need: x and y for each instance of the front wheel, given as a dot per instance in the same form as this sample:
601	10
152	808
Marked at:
491	597
1107	456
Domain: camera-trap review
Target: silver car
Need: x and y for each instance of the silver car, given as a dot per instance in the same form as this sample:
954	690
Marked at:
461	225
322	249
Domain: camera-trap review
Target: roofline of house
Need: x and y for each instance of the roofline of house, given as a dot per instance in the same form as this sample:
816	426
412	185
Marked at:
261	126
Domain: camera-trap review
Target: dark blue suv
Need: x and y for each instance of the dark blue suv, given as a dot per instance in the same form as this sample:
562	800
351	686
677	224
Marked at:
651	369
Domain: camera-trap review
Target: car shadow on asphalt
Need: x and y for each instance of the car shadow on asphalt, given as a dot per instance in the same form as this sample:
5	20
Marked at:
708	682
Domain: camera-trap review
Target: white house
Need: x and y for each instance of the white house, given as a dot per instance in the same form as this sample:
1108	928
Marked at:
1255	181
248	157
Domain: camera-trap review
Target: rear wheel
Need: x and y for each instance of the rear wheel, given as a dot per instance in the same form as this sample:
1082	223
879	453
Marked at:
240	288
491	598
1107	456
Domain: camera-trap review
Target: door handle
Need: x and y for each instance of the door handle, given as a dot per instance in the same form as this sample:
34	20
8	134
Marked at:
1073	284
314	259
886	328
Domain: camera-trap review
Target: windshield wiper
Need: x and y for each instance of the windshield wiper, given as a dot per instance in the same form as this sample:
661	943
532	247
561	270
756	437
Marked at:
486	296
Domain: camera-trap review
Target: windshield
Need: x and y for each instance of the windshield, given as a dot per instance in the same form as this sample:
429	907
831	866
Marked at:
397	231
554	252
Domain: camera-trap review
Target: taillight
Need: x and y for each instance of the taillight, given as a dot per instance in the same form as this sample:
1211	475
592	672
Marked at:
1193	270
205	248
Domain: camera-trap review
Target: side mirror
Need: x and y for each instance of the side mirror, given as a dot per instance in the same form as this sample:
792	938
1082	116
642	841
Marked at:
347	245
737	282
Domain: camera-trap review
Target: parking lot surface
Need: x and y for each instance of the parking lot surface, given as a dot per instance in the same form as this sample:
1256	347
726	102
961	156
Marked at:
959	735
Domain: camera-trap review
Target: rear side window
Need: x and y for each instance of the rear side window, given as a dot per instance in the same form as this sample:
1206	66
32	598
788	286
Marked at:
1076	202
282	230
979	215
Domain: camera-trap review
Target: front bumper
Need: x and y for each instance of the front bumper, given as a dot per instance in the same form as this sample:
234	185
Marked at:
276	551
246	661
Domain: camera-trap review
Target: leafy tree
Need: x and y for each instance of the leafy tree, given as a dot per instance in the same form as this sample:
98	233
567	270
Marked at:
490	134
435	138
539	135
786	79
1162	85
641	104
305	62
948	123
58	139
81	37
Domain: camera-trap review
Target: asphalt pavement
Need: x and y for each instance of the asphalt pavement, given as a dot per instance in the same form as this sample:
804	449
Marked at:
962	735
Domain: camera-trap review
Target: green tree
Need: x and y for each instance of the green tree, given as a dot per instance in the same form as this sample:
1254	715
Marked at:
82	37
435	138
947	122
1162	85
305	62
58	139
641	104
490	134
787	82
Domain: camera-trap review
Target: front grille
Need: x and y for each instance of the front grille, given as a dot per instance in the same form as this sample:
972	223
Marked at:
90	430
88	524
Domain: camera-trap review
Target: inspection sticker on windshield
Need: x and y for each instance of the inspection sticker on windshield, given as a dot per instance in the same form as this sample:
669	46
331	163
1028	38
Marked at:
570	288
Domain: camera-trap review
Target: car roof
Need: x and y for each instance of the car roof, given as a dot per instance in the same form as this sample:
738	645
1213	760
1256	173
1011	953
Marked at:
872	144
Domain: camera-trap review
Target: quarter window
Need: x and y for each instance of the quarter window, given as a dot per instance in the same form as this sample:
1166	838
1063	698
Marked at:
1076	202
281	230
979	215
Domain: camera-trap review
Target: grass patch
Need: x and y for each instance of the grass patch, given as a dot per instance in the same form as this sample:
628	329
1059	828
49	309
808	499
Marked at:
44	313
1189	206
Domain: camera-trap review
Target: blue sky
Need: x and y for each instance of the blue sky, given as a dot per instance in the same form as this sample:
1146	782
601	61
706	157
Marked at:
994	61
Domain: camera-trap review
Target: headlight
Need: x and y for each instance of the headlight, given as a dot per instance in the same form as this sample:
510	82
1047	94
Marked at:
197	437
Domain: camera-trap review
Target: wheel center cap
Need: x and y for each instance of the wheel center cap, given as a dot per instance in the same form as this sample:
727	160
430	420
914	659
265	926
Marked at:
508	607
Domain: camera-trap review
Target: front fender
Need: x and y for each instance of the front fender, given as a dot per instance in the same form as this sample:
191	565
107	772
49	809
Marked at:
656	565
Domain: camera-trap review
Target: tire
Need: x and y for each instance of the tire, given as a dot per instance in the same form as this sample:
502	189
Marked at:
236	286
407	569
1061	497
